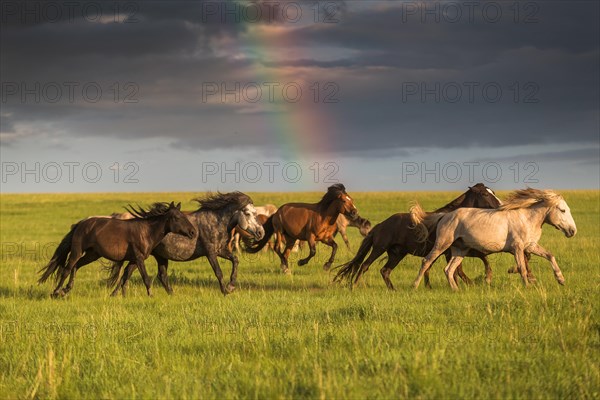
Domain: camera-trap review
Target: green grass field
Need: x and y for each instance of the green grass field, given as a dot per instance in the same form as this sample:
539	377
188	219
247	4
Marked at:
297	336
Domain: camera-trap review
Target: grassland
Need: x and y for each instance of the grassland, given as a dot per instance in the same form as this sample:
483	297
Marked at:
297	336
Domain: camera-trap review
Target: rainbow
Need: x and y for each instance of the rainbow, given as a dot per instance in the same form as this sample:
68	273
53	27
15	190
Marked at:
302	129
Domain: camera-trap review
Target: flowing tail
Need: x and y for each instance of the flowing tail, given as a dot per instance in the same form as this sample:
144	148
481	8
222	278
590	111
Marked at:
115	271
268	227
59	259
349	270
423	223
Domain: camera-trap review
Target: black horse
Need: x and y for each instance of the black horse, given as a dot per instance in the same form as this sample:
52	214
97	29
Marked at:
397	236
118	240
217	216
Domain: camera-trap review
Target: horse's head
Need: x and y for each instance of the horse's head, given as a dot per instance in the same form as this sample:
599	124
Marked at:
481	196
347	206
245	220
559	216
177	222
365	227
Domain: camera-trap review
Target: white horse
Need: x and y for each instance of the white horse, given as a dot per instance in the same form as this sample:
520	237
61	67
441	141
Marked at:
515	228
267	210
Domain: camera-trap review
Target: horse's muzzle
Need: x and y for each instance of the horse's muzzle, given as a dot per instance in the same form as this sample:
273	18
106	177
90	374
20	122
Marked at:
570	232
259	233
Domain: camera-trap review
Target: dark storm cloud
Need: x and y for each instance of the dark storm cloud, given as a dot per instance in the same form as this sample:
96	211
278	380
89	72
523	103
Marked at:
375	55
589	156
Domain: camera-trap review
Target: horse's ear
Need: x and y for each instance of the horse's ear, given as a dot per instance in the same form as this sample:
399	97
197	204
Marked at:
179	206
172	205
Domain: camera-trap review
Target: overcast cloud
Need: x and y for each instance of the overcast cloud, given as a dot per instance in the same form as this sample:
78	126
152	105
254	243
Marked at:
399	81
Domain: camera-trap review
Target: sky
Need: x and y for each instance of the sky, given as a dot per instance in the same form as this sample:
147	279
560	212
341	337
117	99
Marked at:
294	96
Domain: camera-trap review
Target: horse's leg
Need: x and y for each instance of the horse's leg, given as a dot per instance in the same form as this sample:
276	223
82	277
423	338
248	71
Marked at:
279	245
234	269
142	267
515	269
312	246
236	242
540	251
520	259
163	275
429	259
129	268
374	255
330	242
73	258
394	257
214	263
488	269
459	271
530	276
455	261
283	256
88	257
345	237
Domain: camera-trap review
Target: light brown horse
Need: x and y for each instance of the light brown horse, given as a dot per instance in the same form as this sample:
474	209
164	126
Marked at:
343	222
313	222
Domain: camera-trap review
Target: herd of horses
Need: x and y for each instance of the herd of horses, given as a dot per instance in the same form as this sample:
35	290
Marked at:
475	224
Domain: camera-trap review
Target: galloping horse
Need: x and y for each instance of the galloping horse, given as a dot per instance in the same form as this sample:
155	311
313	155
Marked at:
217	216
118	240
515	227
310	222
397	236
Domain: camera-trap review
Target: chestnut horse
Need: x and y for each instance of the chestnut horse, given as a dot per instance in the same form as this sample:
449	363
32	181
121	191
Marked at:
397	236
313	222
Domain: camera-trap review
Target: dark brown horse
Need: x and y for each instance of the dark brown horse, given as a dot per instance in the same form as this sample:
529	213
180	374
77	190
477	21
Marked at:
118	240
307	221
397	236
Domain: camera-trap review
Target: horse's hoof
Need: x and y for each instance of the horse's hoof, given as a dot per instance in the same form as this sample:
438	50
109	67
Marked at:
230	288
512	270
302	262
327	266
561	281
286	271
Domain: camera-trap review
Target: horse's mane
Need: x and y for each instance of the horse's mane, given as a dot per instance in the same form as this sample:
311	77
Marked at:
218	201
526	198
456	203
332	193
453	205
155	210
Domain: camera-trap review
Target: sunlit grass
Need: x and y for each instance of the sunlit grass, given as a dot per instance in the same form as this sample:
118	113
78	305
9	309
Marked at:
282	336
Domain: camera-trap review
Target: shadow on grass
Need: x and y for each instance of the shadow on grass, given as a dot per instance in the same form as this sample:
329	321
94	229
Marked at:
30	292
211	283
